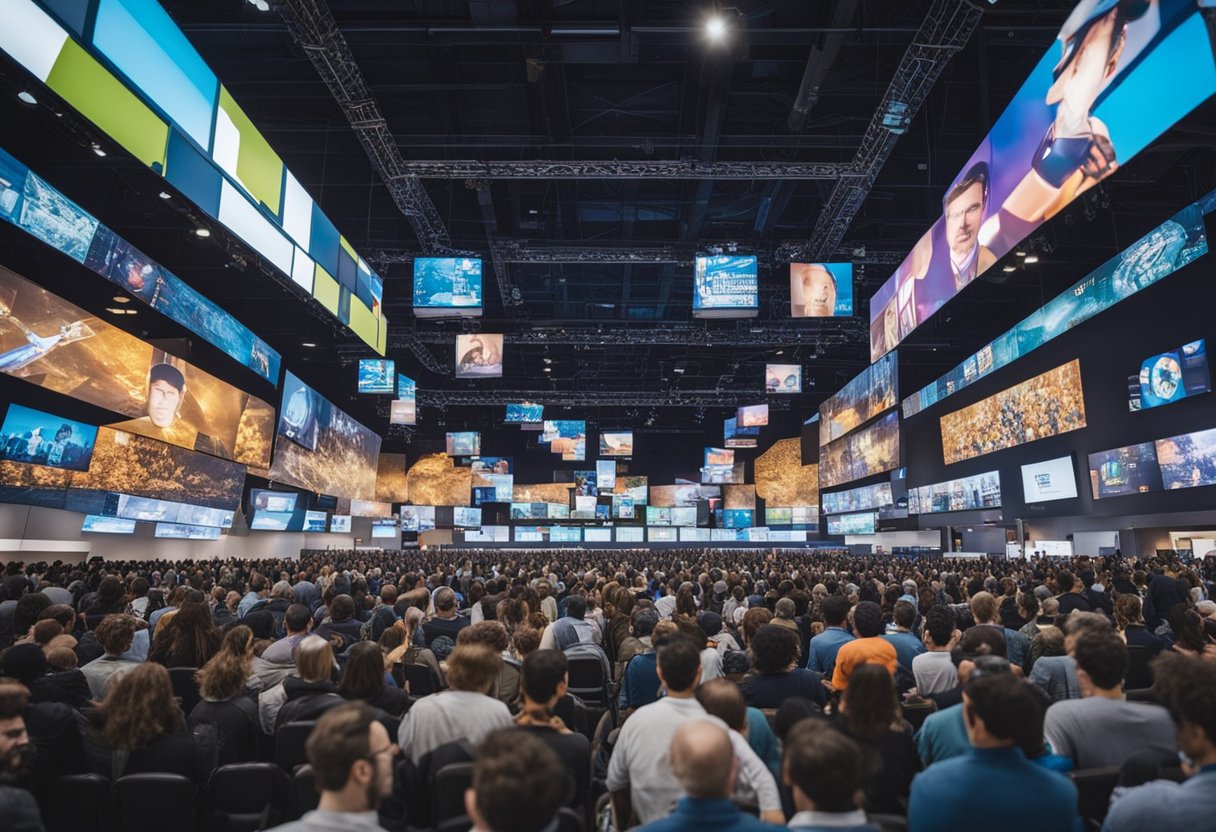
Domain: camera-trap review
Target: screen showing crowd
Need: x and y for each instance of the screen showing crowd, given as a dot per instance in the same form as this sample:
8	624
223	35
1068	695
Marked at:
872	391
1122	73
863	453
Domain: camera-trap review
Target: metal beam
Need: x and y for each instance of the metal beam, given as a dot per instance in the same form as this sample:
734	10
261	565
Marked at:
473	169
428	398
312	25
516	251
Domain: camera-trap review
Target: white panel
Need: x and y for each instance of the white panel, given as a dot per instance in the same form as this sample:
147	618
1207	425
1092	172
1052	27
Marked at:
247	222
297	212
31	36
303	270
227	147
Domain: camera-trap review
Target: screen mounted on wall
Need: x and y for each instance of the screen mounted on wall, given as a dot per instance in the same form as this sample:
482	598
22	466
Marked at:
1053	479
1170	377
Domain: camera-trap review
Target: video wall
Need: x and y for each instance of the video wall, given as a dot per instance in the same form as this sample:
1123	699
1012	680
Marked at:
725	285
29	203
783	378
1166	249
1046	405
863	453
872	391
134	74
821	290
1170	377
1124	73
321	448
782	479
524	412
1184	461
446	286
479	355
865	522
58	346
877	496
964	494
403	410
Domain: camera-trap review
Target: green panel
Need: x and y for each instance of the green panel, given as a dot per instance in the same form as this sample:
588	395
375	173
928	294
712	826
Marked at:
88	86
342	241
363	322
257	165
325	290
382	336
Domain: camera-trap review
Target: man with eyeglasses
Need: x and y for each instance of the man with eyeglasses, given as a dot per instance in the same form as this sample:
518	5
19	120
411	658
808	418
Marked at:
963	209
351	756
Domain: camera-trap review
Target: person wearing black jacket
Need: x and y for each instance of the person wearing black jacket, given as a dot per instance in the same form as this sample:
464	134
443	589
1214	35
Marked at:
226	703
311	692
342	628
27	664
363	679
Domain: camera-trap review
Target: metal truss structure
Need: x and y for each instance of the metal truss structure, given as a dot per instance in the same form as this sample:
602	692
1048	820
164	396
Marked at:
946	29
478	171
514	251
312	25
444	399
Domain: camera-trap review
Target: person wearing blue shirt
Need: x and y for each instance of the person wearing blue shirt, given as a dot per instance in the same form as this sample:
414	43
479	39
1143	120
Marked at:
1185	684
704	763
825	771
827	644
994	786
907	645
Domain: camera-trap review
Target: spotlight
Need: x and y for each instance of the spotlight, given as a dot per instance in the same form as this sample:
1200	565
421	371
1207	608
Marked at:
1031	259
203	232
260	5
98	149
121	299
163	194
309	344
27	97
1010	268
715	27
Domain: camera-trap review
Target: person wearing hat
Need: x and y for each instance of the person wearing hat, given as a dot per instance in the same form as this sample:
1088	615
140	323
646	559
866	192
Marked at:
166	392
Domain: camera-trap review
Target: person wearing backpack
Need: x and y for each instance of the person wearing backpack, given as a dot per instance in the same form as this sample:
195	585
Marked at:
225	723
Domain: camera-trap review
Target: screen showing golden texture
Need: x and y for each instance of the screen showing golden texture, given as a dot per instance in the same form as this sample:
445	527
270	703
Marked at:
434	481
739	496
391	484
549	492
56	345
871	450
782	479
872	391
1046	405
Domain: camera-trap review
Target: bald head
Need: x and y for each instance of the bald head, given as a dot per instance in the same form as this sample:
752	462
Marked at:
702	759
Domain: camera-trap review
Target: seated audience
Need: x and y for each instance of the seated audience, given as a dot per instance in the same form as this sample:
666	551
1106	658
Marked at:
1129	618
341	629
139	727
363	680
827	644
115	634
17	806
869	646
870	714
446	624
723	699
306	693
775	673
517	785
986	613
933	670
544	680
943	733
494	635
188	639
907	645
825	772
225	702
572	628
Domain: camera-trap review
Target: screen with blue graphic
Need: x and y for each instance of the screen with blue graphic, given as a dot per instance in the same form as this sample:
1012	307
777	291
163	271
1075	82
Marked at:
738	518
182	531
107	525
525	412
376	375
447	283
734	436
1129	470
1171	376
865	522
725	282
36	438
464	443
821	290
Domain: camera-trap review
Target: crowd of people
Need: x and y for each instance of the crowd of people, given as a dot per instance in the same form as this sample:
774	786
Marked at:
675	689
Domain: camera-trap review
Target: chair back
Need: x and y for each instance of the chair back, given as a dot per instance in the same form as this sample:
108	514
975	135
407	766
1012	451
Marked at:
245	797
1094	787
88	810
289	743
304	794
419	680
145	800
450	784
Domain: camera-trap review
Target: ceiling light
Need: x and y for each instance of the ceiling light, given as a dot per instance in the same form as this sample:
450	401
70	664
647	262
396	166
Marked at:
27	97
715	27
1031	259
163	194
203	232
780	352
548	369
1020	253
98	149
260	5
129	311
308	344
121	299
679	370
548	360
114	311
1010	268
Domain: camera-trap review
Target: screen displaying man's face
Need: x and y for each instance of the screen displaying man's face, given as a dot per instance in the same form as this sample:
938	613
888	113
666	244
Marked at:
963	216
163	400
818	293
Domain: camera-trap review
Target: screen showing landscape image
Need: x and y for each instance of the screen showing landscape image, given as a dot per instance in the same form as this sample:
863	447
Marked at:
525	412
403	410
865	522
1189	460
734	436
871	392
447	283
863	453
464	443
376	375
752	416
858	499
36	438
965	494
616	443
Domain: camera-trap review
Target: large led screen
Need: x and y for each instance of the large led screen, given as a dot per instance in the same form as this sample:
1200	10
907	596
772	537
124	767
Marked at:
725	286
1164	250
147	508
752	416
183	531
328	452
417	518
478	356
616	443
734	436
384	529
339	523
464	517
464	443
869	393
403	410
376	375
783	378
1128	470
965	494
1053	479
684	494
863	453
58	346
861	523
98	524
1170	377
36	438
877	496
524	412
567	437
821	290
1046	405
738	518
1189	460
31	204
605	476
782	479
446	285
1122	74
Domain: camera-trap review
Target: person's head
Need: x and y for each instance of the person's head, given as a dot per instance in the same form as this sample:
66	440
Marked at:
166	389
867	619
1065	581
490	633
871	702
225	674
679	664
351	755
342	608
963	210
518	783
138	707
784	608
774	649
543	677
474	668
445	601
723	698
16	750
576	607
297	620
904	614
23	663
1101	657
115	634
939	625
363	674
1187	686
983	608
753	620
835	610
314	660
999	710
703	760
61	658
818	290
282	591
823	768
984	647
1128	610
1077	622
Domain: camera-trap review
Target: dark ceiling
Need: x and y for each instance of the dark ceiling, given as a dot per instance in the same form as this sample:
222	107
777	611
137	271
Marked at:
613	82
